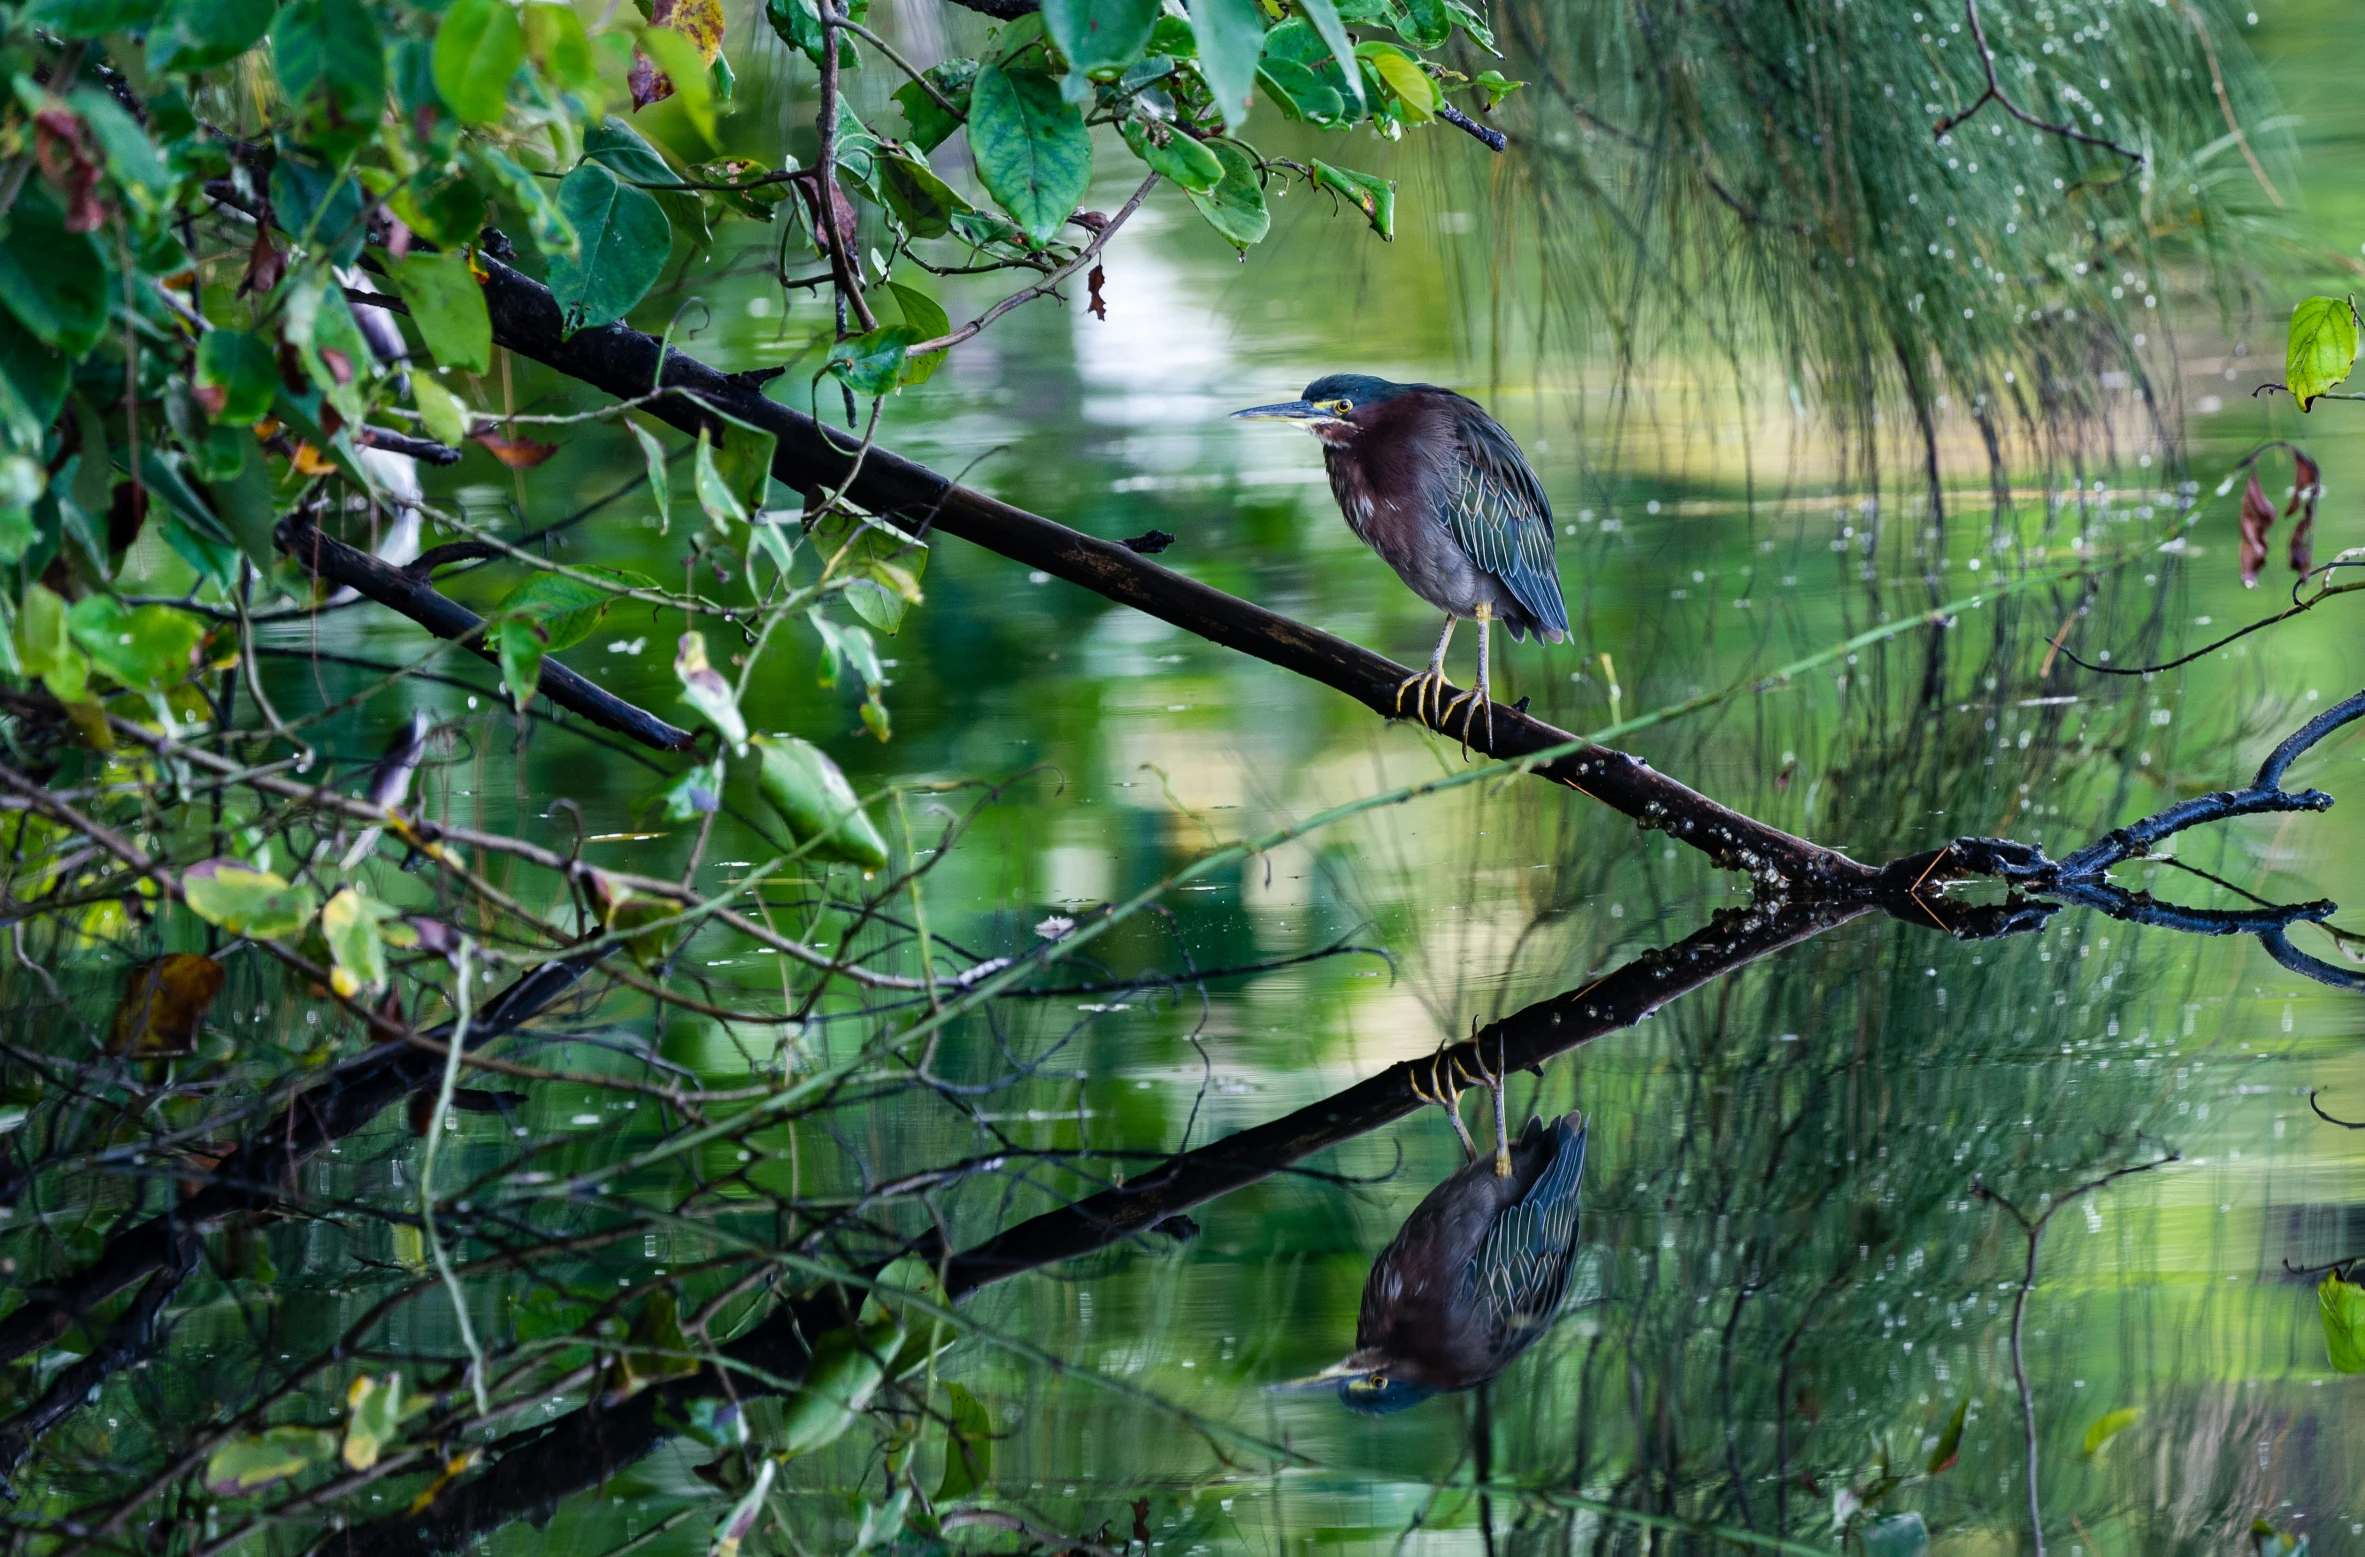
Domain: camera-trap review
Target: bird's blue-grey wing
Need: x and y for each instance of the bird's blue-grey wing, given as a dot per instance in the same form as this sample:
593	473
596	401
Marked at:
1522	1268
1501	518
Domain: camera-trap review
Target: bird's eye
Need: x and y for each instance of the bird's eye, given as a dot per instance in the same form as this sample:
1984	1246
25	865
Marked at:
1378	1381
1336	406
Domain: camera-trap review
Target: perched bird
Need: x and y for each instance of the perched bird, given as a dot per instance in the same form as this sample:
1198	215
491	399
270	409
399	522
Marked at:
1434	485
1478	1270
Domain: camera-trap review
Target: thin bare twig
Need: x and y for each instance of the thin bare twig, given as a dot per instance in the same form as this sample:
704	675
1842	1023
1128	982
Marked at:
1084	257
1995	94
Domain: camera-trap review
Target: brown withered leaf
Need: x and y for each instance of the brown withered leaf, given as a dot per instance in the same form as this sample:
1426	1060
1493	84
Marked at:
516	453
164	998
62	146
212	397
265	264
1096	304
2307	485
700	21
827	235
2258	517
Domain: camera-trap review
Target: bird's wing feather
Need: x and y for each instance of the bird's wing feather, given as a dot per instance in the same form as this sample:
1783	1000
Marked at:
1499	515
1521	1270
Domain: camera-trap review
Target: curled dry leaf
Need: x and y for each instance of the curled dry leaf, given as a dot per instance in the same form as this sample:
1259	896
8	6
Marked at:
516	453
700	21
1095	303
2258	516
840	230
2307	485
164	999
265	263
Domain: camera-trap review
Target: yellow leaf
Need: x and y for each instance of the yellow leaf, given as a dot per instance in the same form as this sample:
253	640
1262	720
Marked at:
2107	1427
1410	83
308	462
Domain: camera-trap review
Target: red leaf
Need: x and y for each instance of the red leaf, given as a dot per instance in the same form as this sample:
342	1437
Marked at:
2258	516
339	365
516	453
62	147
211	396
648	83
2307	484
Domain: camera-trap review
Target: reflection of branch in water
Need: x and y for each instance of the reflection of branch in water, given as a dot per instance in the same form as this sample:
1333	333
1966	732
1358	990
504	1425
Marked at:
532	1472
2082	877
2034	1231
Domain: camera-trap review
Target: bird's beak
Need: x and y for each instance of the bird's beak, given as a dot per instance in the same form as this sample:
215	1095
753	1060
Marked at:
1328	1378
1284	411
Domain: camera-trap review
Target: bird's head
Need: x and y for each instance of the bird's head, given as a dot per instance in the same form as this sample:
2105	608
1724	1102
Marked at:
1368	1384
1333	408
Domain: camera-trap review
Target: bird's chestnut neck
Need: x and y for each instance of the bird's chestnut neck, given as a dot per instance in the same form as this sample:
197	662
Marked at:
1337	434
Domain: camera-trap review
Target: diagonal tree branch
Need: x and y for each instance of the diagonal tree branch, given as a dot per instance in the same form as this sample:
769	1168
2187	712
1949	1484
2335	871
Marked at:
811	458
329	558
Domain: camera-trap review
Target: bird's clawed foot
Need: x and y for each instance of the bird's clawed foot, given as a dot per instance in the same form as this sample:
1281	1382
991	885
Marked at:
1445	1090
1479	703
1428	689
1491	1078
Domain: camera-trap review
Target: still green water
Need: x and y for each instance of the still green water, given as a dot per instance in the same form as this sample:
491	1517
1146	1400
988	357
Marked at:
1787	1279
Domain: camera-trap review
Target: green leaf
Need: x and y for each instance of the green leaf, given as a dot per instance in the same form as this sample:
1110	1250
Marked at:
319	202
660	486
704	689
1325	18
623	151
744	462
1231	35
1031	147
558	45
1299	93
1415	93
553	233
478	48
57	283
840	1377
33	380
924	203
1897	1535
2108	1426
442	207
1178	158
45	645
332	62
546	613
2341	1303
722	505
2323	347
149	648
90	18
685	66
931	125
798	23
810	792
1950	1442
242	370
353	926
968	1446
245	901
1496	87
441	412
696	793
928	321
248	1464
1236	206
624	238
1100	37
199	34
375	1410
1374	197
448	306
871	363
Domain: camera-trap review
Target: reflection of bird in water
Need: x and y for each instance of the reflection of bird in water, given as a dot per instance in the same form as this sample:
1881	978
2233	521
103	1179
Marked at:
1434	485
1479	1269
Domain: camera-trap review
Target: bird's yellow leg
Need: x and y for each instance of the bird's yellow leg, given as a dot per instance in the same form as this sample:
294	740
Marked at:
1431	682
1478	698
1443	1091
1492	1080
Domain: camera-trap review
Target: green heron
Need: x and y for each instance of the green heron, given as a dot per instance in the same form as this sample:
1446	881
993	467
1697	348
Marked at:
1434	485
1478	1270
